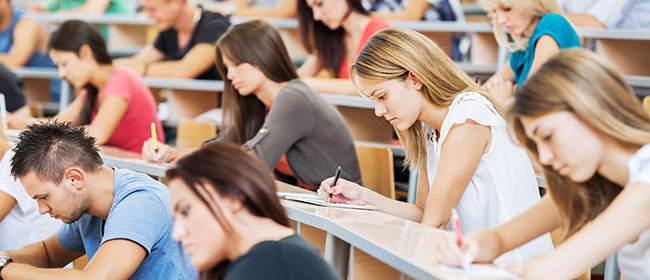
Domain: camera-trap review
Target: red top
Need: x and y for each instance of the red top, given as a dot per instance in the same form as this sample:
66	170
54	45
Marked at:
135	126
374	25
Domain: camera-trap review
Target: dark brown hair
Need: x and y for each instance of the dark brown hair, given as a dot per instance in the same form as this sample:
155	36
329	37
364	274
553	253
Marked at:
49	148
258	43
580	82
233	173
71	36
327	43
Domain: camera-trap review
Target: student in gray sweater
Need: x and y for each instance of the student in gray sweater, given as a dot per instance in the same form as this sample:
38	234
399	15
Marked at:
272	113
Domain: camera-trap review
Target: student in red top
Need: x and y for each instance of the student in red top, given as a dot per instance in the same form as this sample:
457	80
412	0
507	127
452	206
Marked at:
334	32
116	107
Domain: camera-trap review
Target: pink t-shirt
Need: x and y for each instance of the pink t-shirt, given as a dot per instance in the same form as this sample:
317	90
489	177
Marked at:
374	25
135	126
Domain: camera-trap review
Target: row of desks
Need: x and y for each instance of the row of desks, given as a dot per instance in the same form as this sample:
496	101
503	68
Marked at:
357	243
130	31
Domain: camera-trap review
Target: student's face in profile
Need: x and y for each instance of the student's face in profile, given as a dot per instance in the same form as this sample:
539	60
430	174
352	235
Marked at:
245	77
163	12
398	101
565	143
203	238
63	201
331	13
76	69
513	19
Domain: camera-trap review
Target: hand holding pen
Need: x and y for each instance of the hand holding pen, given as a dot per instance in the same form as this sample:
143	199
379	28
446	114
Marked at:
338	190
458	249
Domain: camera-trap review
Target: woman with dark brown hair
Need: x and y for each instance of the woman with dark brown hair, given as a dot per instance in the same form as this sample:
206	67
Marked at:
230	221
334	32
272	113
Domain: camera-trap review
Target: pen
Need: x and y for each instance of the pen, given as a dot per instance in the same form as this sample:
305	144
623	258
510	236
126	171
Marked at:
3	112
336	178
154	137
459	231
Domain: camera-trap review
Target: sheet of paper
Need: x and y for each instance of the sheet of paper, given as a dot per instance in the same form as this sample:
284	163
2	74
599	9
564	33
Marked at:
315	199
480	270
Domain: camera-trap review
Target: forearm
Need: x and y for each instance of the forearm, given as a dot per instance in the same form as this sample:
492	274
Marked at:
16	271
34	254
393	207
93	7
336	86
584	20
617	225
171	69
13	60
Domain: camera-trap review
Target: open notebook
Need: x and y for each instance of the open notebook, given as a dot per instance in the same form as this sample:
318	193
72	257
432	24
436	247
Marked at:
315	199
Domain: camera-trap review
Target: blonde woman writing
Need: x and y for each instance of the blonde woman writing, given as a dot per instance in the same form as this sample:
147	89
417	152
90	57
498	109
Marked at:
452	130
583	123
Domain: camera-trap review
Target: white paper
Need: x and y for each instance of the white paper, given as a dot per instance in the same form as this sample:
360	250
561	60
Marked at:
480	270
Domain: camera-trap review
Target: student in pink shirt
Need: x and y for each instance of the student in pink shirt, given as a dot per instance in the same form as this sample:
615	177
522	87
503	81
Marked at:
114	104
334	32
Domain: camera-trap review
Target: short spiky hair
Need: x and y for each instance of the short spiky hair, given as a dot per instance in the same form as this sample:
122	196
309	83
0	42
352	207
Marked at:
49	148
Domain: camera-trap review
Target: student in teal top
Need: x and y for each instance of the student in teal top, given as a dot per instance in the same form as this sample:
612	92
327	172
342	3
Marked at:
536	32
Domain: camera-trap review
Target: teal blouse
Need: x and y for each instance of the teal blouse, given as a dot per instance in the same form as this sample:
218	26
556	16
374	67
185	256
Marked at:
554	25
115	7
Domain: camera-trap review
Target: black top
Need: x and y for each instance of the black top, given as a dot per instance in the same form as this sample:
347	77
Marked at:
12	88
288	258
207	30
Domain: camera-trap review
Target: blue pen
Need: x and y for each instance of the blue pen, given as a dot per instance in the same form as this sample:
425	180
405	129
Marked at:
336	178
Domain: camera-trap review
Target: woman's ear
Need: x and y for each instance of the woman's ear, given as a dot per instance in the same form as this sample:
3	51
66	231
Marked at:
85	53
417	84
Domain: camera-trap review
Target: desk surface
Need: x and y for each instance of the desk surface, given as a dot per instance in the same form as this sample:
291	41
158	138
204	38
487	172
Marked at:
405	245
129	160
113	19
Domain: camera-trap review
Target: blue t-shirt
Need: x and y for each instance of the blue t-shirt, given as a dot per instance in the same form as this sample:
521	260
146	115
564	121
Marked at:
554	25
38	59
140	213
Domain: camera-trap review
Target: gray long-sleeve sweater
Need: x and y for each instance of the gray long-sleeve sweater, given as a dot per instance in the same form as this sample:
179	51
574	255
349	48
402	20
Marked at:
311	133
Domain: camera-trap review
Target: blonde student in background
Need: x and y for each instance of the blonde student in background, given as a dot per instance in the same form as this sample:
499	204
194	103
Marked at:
538	32
580	120
452	130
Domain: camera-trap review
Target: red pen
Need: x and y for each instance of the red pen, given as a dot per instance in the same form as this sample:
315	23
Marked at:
459	230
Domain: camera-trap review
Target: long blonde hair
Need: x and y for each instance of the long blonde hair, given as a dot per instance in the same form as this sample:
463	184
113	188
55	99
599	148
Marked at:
394	53
580	82
535	8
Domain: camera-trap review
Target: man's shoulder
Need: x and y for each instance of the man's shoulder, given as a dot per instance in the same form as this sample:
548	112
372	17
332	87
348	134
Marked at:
128	182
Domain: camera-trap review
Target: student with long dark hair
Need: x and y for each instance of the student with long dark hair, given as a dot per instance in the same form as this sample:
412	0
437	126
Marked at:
114	104
334	32
272	113
230	221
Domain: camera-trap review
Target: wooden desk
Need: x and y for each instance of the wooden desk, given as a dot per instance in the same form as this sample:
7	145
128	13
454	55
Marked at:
362	244
125	32
119	158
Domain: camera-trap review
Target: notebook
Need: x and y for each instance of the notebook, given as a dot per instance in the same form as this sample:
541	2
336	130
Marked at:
317	200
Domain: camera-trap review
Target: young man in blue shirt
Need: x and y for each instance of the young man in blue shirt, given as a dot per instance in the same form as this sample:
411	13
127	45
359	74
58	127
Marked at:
117	217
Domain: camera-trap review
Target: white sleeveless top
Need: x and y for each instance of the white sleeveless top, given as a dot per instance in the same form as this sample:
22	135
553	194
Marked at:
23	224
504	183
634	258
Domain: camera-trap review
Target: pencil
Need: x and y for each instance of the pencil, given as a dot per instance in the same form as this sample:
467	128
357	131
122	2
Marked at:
154	136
